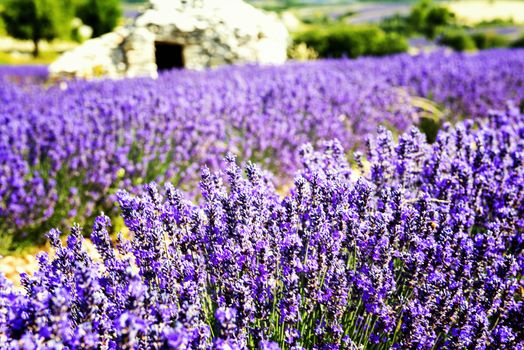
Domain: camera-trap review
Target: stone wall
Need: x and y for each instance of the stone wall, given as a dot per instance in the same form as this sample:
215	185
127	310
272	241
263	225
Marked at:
212	33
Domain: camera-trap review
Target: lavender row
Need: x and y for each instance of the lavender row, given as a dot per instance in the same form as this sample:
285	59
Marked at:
65	149
24	73
420	248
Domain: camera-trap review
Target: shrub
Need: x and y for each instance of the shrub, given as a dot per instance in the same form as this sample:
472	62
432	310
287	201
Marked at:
320	19
429	19
63	147
423	251
496	22
2	23
519	43
489	40
101	15
312	38
301	52
457	39
391	43
396	24
437	18
352	41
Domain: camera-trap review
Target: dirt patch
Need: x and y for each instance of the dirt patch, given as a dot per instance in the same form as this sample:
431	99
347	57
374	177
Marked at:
13	266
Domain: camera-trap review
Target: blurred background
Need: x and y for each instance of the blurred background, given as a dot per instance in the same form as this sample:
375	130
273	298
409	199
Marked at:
39	31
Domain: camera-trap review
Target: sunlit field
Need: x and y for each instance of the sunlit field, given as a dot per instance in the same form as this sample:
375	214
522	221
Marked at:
475	11
206	175
341	203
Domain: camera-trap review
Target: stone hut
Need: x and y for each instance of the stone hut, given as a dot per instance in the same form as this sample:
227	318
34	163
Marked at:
168	34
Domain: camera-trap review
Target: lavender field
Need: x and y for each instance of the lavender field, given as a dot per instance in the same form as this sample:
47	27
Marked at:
304	206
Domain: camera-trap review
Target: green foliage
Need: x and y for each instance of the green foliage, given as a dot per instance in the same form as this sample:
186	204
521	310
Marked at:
101	15
396	24
430	127
2	26
437	18
429	18
36	20
280	6
301	52
496	22
317	18
426	18
457	39
68	13
416	18
392	43
519	43
489	40
352	41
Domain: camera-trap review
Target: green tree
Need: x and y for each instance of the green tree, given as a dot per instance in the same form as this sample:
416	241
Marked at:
341	40
2	25
519	43
429	18
417	17
437	18
35	20
457	39
489	40
101	15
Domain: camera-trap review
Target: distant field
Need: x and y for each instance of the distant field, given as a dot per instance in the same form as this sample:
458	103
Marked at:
475	11
14	51
470	11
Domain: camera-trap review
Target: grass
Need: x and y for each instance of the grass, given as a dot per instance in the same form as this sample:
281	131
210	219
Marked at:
23	248
45	57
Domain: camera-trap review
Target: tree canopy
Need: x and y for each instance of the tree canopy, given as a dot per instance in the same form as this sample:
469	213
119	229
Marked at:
35	20
101	15
38	20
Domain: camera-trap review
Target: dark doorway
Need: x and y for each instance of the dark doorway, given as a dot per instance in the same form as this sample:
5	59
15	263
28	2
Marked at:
169	56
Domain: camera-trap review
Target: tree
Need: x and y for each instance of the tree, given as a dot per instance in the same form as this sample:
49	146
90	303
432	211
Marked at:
428	18
35	20
101	15
437	18
417	16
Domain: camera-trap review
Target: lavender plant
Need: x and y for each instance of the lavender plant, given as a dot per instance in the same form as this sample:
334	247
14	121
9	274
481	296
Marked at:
66	149
421	247
24	74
